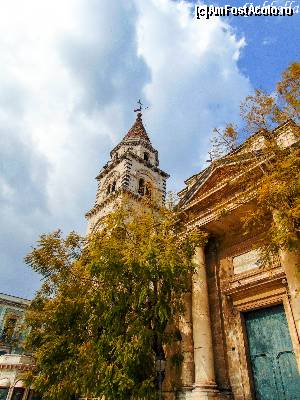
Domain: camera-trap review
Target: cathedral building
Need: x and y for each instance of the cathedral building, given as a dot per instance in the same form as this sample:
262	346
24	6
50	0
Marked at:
241	327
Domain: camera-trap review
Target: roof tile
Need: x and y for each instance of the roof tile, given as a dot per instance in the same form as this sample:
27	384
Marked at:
137	131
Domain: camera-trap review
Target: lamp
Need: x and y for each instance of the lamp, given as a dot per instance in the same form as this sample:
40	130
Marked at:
160	364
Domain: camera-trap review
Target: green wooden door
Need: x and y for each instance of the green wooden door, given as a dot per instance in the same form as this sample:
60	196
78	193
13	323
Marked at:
3	393
273	363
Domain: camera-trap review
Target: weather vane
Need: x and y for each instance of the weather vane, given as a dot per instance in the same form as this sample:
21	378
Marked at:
140	107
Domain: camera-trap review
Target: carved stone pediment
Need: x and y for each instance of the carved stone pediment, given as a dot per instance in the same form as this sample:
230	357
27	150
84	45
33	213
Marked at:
216	177
227	169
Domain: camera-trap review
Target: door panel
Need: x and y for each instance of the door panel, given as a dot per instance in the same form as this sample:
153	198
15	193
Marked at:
18	394
266	381
3	393
289	375
273	363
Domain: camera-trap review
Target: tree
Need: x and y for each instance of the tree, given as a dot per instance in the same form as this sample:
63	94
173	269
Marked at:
272	169
109	304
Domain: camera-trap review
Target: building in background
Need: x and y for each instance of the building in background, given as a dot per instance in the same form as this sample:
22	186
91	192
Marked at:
13	360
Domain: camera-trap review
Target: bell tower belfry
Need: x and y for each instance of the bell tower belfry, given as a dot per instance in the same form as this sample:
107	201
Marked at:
133	170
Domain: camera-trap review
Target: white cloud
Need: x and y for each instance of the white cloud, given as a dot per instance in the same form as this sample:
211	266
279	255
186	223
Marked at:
195	83
70	74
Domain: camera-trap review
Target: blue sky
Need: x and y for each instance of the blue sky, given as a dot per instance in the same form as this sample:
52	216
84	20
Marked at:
70	75
272	44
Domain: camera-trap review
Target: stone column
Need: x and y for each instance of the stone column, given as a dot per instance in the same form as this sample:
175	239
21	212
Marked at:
204	385
290	262
187	348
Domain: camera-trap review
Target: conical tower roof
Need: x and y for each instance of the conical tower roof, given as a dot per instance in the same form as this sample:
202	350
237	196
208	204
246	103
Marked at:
137	131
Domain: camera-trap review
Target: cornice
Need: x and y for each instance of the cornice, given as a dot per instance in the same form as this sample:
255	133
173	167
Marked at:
254	278
23	304
21	367
112	197
135	142
97	207
113	163
125	191
12	304
214	212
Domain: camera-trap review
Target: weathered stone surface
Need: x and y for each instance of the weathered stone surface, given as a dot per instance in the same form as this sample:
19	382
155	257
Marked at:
233	282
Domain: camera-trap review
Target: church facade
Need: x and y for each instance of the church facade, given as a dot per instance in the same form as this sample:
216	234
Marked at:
242	325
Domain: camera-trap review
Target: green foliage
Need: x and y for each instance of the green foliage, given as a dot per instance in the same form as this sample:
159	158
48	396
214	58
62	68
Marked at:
223	141
273	171
277	211
108	303
263	111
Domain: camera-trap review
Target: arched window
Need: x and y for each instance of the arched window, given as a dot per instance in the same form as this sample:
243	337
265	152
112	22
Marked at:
141	189
108	189
113	186
146	156
9	327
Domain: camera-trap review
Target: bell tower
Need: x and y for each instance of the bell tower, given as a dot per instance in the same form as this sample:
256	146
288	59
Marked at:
133	169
